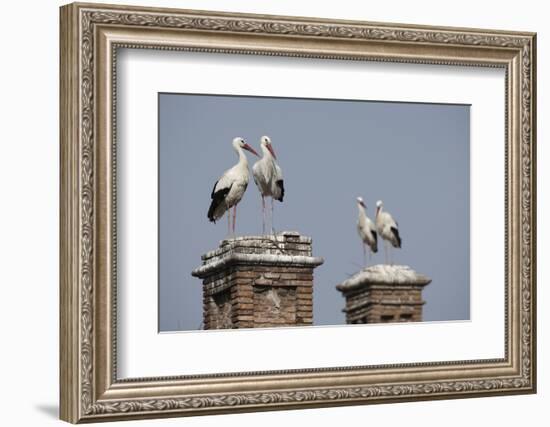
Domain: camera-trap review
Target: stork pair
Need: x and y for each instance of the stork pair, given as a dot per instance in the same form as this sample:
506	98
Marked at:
229	189
368	231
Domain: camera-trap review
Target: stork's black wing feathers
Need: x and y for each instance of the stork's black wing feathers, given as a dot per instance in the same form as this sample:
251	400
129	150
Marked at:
374	247
395	232
281	186
214	189
217	198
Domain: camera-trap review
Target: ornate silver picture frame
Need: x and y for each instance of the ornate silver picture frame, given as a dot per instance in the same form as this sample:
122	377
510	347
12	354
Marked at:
91	35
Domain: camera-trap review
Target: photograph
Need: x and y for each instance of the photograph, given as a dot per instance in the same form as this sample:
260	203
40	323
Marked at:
277	212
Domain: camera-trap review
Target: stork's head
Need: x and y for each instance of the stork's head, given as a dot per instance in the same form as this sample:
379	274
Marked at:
360	202
379	205
265	142
239	142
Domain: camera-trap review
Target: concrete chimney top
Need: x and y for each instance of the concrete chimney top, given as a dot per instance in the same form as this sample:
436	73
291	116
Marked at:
287	248
384	293
386	275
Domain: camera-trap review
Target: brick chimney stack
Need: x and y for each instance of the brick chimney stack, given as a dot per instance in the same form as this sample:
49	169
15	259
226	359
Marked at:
258	281
384	293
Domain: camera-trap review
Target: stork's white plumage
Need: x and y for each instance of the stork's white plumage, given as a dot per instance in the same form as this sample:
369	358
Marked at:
229	189
268	177
366	229
387	227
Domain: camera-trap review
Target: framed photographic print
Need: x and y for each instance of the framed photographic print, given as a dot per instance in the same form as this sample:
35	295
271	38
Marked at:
267	212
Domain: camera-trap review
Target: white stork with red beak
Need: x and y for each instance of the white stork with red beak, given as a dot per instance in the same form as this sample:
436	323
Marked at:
387	228
268	177
229	189
366	230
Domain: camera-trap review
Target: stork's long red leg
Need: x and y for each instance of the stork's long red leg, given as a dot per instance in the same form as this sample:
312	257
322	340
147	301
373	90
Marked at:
263	214
234	217
229	222
272	225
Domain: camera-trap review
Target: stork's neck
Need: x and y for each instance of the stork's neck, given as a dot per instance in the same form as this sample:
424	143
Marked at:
266	153
243	161
362	212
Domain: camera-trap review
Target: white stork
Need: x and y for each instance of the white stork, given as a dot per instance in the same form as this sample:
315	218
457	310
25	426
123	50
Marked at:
268	177
387	228
366	230
229	189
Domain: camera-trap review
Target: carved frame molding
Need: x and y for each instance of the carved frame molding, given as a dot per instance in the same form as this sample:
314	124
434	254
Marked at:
90	35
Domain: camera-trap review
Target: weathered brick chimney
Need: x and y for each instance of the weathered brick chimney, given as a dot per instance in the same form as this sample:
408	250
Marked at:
384	293
258	281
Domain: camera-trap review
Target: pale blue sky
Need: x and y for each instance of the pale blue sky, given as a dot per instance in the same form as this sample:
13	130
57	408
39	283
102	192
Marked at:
415	157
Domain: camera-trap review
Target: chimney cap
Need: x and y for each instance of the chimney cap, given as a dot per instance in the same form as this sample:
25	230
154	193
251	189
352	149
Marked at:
384	274
288	249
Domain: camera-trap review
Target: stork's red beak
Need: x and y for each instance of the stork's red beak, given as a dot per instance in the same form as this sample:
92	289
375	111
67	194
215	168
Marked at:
270	148
249	148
